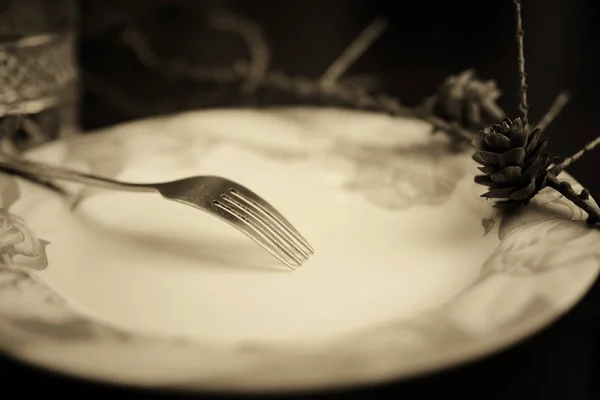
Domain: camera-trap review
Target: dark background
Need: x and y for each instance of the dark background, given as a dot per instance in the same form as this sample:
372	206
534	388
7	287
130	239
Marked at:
427	40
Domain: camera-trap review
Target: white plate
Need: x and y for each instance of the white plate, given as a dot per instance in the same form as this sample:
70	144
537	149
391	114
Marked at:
413	271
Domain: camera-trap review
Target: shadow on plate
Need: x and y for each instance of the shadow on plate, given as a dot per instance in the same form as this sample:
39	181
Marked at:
242	254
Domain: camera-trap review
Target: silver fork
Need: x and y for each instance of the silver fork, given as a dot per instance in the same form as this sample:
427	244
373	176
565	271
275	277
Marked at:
220	197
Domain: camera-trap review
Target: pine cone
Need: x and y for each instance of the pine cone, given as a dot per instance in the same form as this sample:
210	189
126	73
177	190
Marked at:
466	100
514	160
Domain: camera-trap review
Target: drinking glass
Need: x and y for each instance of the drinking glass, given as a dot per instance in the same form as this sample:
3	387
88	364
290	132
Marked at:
38	72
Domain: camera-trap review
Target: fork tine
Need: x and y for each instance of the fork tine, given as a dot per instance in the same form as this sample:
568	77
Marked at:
257	202
255	220
255	234
267	223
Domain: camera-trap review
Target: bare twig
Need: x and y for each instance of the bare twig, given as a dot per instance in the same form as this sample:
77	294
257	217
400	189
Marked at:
256	42
137	43
353	52
564	188
301	86
362	99
559	103
368	82
580	201
524	106
558	168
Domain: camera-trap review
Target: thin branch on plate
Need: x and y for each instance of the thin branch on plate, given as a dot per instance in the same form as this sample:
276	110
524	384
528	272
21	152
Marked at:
137	43
514	158
328	87
352	53
301	86
581	200
523	105
566	163
559	104
255	40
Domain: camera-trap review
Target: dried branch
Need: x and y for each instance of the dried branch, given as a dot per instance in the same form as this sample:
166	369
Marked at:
256	42
138	44
524	106
300	86
580	200
353	52
558	168
368	82
559	103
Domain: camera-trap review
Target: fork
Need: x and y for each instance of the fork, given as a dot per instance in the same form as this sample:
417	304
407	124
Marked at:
220	197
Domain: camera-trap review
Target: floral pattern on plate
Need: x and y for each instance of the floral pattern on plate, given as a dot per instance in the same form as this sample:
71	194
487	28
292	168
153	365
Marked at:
424	175
19	246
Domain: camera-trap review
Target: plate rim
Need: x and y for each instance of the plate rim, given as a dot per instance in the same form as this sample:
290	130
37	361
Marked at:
452	357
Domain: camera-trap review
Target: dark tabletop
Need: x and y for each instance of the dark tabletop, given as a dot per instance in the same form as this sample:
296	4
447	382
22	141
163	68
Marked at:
426	41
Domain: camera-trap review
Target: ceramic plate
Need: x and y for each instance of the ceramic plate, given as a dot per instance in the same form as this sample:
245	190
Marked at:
413	271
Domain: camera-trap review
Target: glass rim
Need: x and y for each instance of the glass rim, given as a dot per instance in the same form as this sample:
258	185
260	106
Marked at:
37	40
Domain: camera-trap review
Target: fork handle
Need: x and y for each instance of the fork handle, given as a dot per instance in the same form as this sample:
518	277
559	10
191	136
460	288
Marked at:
15	165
